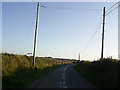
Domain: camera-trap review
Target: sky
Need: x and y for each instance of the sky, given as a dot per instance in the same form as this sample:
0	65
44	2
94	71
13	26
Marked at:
119	33
0	26
64	29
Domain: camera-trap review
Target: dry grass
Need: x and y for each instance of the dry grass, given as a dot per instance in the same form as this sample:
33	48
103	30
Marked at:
17	70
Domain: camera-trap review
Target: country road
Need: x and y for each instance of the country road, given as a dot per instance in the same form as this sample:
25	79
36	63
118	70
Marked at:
63	77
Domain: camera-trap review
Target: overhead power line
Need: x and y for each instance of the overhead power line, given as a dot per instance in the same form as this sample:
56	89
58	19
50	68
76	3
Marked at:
86	9
111	10
75	9
28	33
93	35
112	6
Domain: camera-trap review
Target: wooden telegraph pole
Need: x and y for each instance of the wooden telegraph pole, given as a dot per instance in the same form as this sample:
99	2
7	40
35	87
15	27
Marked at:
36	30
79	57
103	33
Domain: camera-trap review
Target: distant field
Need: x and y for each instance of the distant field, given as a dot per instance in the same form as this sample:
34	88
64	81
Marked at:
103	74
17	70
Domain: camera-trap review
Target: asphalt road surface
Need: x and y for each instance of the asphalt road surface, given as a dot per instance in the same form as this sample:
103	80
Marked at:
63	77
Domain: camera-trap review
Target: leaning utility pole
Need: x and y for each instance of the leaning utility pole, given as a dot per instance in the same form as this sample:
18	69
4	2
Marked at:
103	34
36	30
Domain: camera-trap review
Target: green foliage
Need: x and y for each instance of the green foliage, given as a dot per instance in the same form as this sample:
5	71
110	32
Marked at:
103	74
17	70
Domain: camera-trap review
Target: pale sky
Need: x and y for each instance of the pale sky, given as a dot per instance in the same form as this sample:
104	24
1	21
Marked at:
64	29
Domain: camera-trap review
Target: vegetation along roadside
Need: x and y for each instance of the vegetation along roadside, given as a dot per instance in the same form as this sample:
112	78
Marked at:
18	72
103	74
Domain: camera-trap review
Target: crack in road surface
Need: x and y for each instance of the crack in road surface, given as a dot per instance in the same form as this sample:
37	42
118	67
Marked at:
63	77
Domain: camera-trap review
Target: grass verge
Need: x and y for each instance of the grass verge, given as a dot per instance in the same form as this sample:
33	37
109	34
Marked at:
18	72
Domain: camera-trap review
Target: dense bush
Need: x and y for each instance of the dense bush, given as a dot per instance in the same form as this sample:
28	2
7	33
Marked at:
103	74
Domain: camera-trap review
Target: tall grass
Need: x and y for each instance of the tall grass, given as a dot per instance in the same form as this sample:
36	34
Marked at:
103	74
17	70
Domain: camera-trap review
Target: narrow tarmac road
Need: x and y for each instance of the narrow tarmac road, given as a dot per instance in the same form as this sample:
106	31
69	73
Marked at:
63	77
